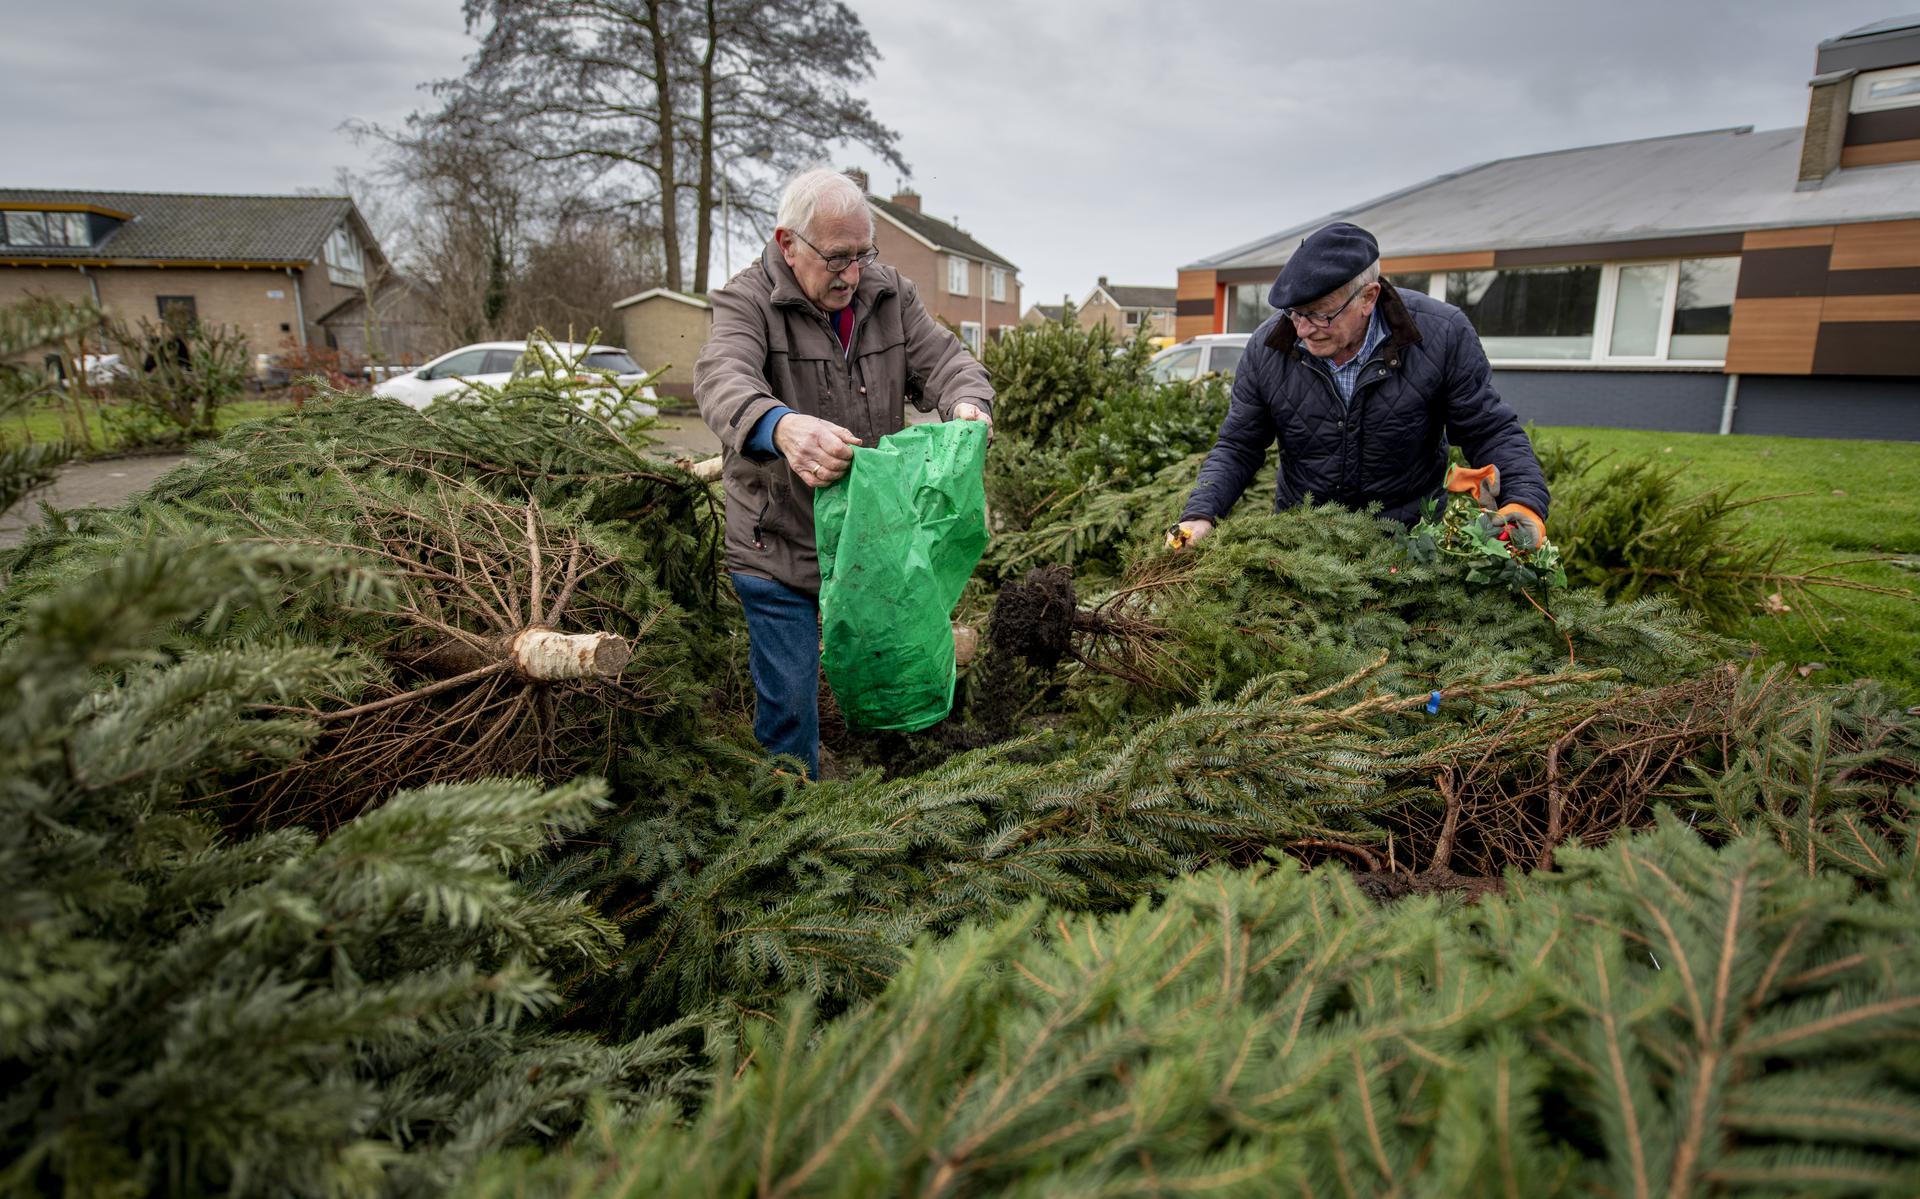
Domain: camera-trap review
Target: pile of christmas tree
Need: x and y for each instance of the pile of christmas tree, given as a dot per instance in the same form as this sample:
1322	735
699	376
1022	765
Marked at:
387	818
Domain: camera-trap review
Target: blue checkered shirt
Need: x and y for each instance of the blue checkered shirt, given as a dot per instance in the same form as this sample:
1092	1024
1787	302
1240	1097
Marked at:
1345	378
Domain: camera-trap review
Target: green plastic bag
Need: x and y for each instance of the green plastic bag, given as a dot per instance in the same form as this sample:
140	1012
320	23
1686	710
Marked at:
898	537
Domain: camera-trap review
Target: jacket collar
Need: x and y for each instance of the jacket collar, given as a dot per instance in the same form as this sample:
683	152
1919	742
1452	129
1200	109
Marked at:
1401	331
786	288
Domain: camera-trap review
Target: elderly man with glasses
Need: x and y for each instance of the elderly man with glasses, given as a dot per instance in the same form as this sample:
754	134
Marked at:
1363	385
815	349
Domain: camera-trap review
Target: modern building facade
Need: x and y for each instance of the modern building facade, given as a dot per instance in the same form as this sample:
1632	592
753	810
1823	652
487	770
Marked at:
1730	280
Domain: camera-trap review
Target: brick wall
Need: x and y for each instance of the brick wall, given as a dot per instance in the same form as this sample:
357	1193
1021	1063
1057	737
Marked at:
237	297
928	270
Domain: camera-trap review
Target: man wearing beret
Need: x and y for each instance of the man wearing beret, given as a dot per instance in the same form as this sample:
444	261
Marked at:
1363	385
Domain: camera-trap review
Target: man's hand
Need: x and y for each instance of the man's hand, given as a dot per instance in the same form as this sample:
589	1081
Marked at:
1187	532
819	451
1530	531
1480	482
965	411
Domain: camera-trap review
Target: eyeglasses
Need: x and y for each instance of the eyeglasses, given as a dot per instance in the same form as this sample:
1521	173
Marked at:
840	262
1319	320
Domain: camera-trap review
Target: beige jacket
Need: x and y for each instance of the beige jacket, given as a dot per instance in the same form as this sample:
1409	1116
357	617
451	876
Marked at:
771	345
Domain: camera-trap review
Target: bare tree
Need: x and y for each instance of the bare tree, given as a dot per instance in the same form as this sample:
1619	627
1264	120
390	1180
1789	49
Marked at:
652	99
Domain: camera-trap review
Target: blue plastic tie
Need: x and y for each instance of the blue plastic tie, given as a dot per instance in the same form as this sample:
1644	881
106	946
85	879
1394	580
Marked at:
1433	704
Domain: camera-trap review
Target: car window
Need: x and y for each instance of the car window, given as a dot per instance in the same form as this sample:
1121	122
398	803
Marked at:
466	363
500	362
1177	364
611	360
1225	359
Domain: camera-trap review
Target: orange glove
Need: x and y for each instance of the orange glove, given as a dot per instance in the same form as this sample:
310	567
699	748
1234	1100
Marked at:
1480	482
1520	514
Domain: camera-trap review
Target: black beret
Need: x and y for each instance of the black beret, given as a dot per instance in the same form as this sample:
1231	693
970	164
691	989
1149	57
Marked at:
1328	259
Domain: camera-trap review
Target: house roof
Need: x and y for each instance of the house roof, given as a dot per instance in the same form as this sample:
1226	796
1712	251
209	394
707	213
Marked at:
174	227
1126	296
936	233
664	293
350	307
1052	312
1718	181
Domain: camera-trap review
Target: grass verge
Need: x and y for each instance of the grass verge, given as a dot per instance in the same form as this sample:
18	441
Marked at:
1832	500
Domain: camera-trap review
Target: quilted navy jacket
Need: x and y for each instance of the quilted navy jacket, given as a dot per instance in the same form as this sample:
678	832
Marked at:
1427	382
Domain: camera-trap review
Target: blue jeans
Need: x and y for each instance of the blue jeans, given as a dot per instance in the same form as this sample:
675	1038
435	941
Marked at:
783	650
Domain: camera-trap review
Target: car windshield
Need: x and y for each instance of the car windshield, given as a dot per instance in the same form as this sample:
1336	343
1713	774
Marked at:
1176	364
611	360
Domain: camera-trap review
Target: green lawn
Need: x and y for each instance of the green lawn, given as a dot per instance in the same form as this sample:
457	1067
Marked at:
1838	500
55	420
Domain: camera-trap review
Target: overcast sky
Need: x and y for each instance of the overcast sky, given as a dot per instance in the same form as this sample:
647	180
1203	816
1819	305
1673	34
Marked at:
1117	138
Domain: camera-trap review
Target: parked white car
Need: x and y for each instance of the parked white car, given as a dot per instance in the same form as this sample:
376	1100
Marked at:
493	363
1208	354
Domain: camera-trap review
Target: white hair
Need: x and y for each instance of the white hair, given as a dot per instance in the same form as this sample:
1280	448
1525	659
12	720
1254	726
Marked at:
1360	281
818	193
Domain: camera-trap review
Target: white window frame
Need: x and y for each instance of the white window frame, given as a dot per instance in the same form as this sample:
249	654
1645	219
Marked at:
997	284
1603	312
957	275
346	261
973	336
1863	87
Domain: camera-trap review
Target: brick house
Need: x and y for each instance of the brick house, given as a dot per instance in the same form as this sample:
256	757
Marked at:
1730	280
960	281
1127	309
269	266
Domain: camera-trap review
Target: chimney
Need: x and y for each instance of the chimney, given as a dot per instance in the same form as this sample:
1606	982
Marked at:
1826	127
1103	283
859	178
908	199
1859	114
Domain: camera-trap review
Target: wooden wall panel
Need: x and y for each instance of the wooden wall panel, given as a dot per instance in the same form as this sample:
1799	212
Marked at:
1194	285
1783	239
1773	336
1872	308
1873	244
1481	261
1875	154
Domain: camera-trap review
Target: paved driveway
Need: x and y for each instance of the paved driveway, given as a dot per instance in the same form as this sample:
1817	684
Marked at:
102	484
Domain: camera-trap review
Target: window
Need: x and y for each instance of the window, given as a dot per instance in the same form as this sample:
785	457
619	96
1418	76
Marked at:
1247	306
1630	312
619	362
1672	311
1225	359
468	362
497	362
177	312
343	257
956	275
997	284
1421	282
1897	88
970	333
1133	318
45	229
1180	364
1543	312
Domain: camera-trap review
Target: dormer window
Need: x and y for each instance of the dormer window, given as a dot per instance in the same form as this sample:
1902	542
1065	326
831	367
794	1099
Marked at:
45	229
343	257
1896	88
